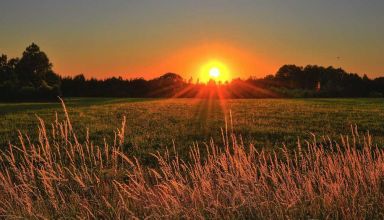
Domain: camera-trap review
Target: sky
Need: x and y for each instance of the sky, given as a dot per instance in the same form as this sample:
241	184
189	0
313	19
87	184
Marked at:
146	38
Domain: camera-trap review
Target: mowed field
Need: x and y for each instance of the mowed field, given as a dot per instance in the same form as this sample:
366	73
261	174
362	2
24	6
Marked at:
154	124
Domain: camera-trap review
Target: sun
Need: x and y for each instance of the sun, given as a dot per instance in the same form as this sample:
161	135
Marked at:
214	70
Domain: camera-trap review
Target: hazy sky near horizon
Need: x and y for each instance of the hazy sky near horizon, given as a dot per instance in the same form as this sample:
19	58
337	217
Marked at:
132	38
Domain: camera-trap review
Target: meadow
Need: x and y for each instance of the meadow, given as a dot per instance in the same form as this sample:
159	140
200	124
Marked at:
137	172
155	124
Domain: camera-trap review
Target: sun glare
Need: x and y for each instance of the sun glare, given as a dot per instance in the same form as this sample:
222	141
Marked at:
214	70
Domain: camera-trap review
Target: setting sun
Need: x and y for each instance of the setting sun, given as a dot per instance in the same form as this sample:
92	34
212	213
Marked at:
214	70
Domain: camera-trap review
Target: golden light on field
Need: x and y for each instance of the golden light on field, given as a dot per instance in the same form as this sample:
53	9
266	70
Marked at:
214	70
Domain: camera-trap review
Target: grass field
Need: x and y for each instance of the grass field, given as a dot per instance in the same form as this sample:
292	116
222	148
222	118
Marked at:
155	124
68	174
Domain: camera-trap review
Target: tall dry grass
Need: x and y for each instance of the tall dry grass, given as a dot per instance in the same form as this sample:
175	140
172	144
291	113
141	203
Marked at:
63	177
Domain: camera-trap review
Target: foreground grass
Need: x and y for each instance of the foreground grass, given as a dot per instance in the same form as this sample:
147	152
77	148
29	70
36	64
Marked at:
64	177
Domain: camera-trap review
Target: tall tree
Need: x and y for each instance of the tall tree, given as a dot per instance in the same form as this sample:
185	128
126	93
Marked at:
35	74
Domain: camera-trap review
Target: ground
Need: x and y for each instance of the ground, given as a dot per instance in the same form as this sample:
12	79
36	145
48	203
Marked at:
154	124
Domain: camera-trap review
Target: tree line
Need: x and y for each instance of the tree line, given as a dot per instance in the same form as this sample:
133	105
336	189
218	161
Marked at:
31	78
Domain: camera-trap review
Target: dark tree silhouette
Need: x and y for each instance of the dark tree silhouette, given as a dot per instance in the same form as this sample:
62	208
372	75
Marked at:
31	78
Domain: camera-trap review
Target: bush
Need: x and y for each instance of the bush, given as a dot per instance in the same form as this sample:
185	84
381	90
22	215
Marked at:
376	95
27	92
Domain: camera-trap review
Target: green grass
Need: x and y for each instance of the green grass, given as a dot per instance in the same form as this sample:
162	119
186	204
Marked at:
155	124
64	175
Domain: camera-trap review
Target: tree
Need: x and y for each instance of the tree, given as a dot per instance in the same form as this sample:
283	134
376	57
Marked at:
290	75
3	68
35	74
33	65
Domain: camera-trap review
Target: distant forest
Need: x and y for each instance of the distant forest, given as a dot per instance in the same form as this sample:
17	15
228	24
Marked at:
31	78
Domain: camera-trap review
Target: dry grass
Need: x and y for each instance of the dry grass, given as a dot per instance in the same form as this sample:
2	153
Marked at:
63	177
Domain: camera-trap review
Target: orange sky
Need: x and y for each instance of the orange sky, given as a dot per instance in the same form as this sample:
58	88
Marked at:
148	38
189	61
186	61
